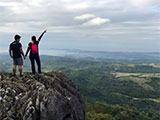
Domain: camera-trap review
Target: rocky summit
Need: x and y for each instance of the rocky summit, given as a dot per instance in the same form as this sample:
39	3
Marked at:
50	96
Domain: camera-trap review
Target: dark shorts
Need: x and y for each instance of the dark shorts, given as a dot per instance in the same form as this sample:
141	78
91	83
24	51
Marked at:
18	61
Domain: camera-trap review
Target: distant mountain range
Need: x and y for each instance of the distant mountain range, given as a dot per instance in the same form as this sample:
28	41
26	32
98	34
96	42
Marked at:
99	55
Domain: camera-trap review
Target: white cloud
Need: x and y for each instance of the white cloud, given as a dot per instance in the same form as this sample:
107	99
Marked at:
96	21
84	16
143	3
140	2
5	4
77	6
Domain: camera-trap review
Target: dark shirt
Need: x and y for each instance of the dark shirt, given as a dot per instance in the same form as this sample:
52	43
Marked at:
15	47
30	46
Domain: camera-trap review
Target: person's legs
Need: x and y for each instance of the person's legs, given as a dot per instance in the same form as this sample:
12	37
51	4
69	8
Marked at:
32	65
20	70
38	63
20	64
14	69
14	66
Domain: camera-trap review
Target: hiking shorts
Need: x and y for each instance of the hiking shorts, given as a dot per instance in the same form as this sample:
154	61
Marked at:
18	61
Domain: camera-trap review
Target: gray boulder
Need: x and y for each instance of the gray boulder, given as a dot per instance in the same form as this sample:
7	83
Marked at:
50	96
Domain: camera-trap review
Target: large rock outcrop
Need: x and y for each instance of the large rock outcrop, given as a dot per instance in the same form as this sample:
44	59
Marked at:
50	96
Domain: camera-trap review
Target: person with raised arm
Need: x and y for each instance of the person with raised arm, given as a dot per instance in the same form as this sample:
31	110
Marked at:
34	53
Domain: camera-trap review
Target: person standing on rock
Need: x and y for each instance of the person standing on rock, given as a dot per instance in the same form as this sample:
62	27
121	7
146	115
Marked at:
34	53
15	52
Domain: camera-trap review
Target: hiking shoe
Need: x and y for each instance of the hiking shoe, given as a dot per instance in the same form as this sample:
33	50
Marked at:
34	75
13	75
40	73
21	75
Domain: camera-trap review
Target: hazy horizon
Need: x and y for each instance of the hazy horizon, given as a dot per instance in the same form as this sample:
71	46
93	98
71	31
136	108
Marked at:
94	25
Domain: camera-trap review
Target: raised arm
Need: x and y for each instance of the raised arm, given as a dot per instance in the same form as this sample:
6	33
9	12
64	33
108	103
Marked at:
41	35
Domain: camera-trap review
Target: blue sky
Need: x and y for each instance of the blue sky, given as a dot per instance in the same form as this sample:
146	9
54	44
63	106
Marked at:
103	25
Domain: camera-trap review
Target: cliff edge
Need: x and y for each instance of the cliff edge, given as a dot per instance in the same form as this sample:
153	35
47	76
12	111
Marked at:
50	96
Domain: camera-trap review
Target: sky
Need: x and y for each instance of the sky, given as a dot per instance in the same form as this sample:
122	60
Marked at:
96	25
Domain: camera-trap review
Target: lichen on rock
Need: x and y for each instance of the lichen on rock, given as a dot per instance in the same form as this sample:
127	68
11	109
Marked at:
50	96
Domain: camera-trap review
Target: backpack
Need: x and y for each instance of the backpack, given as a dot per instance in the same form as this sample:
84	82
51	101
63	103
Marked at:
34	49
